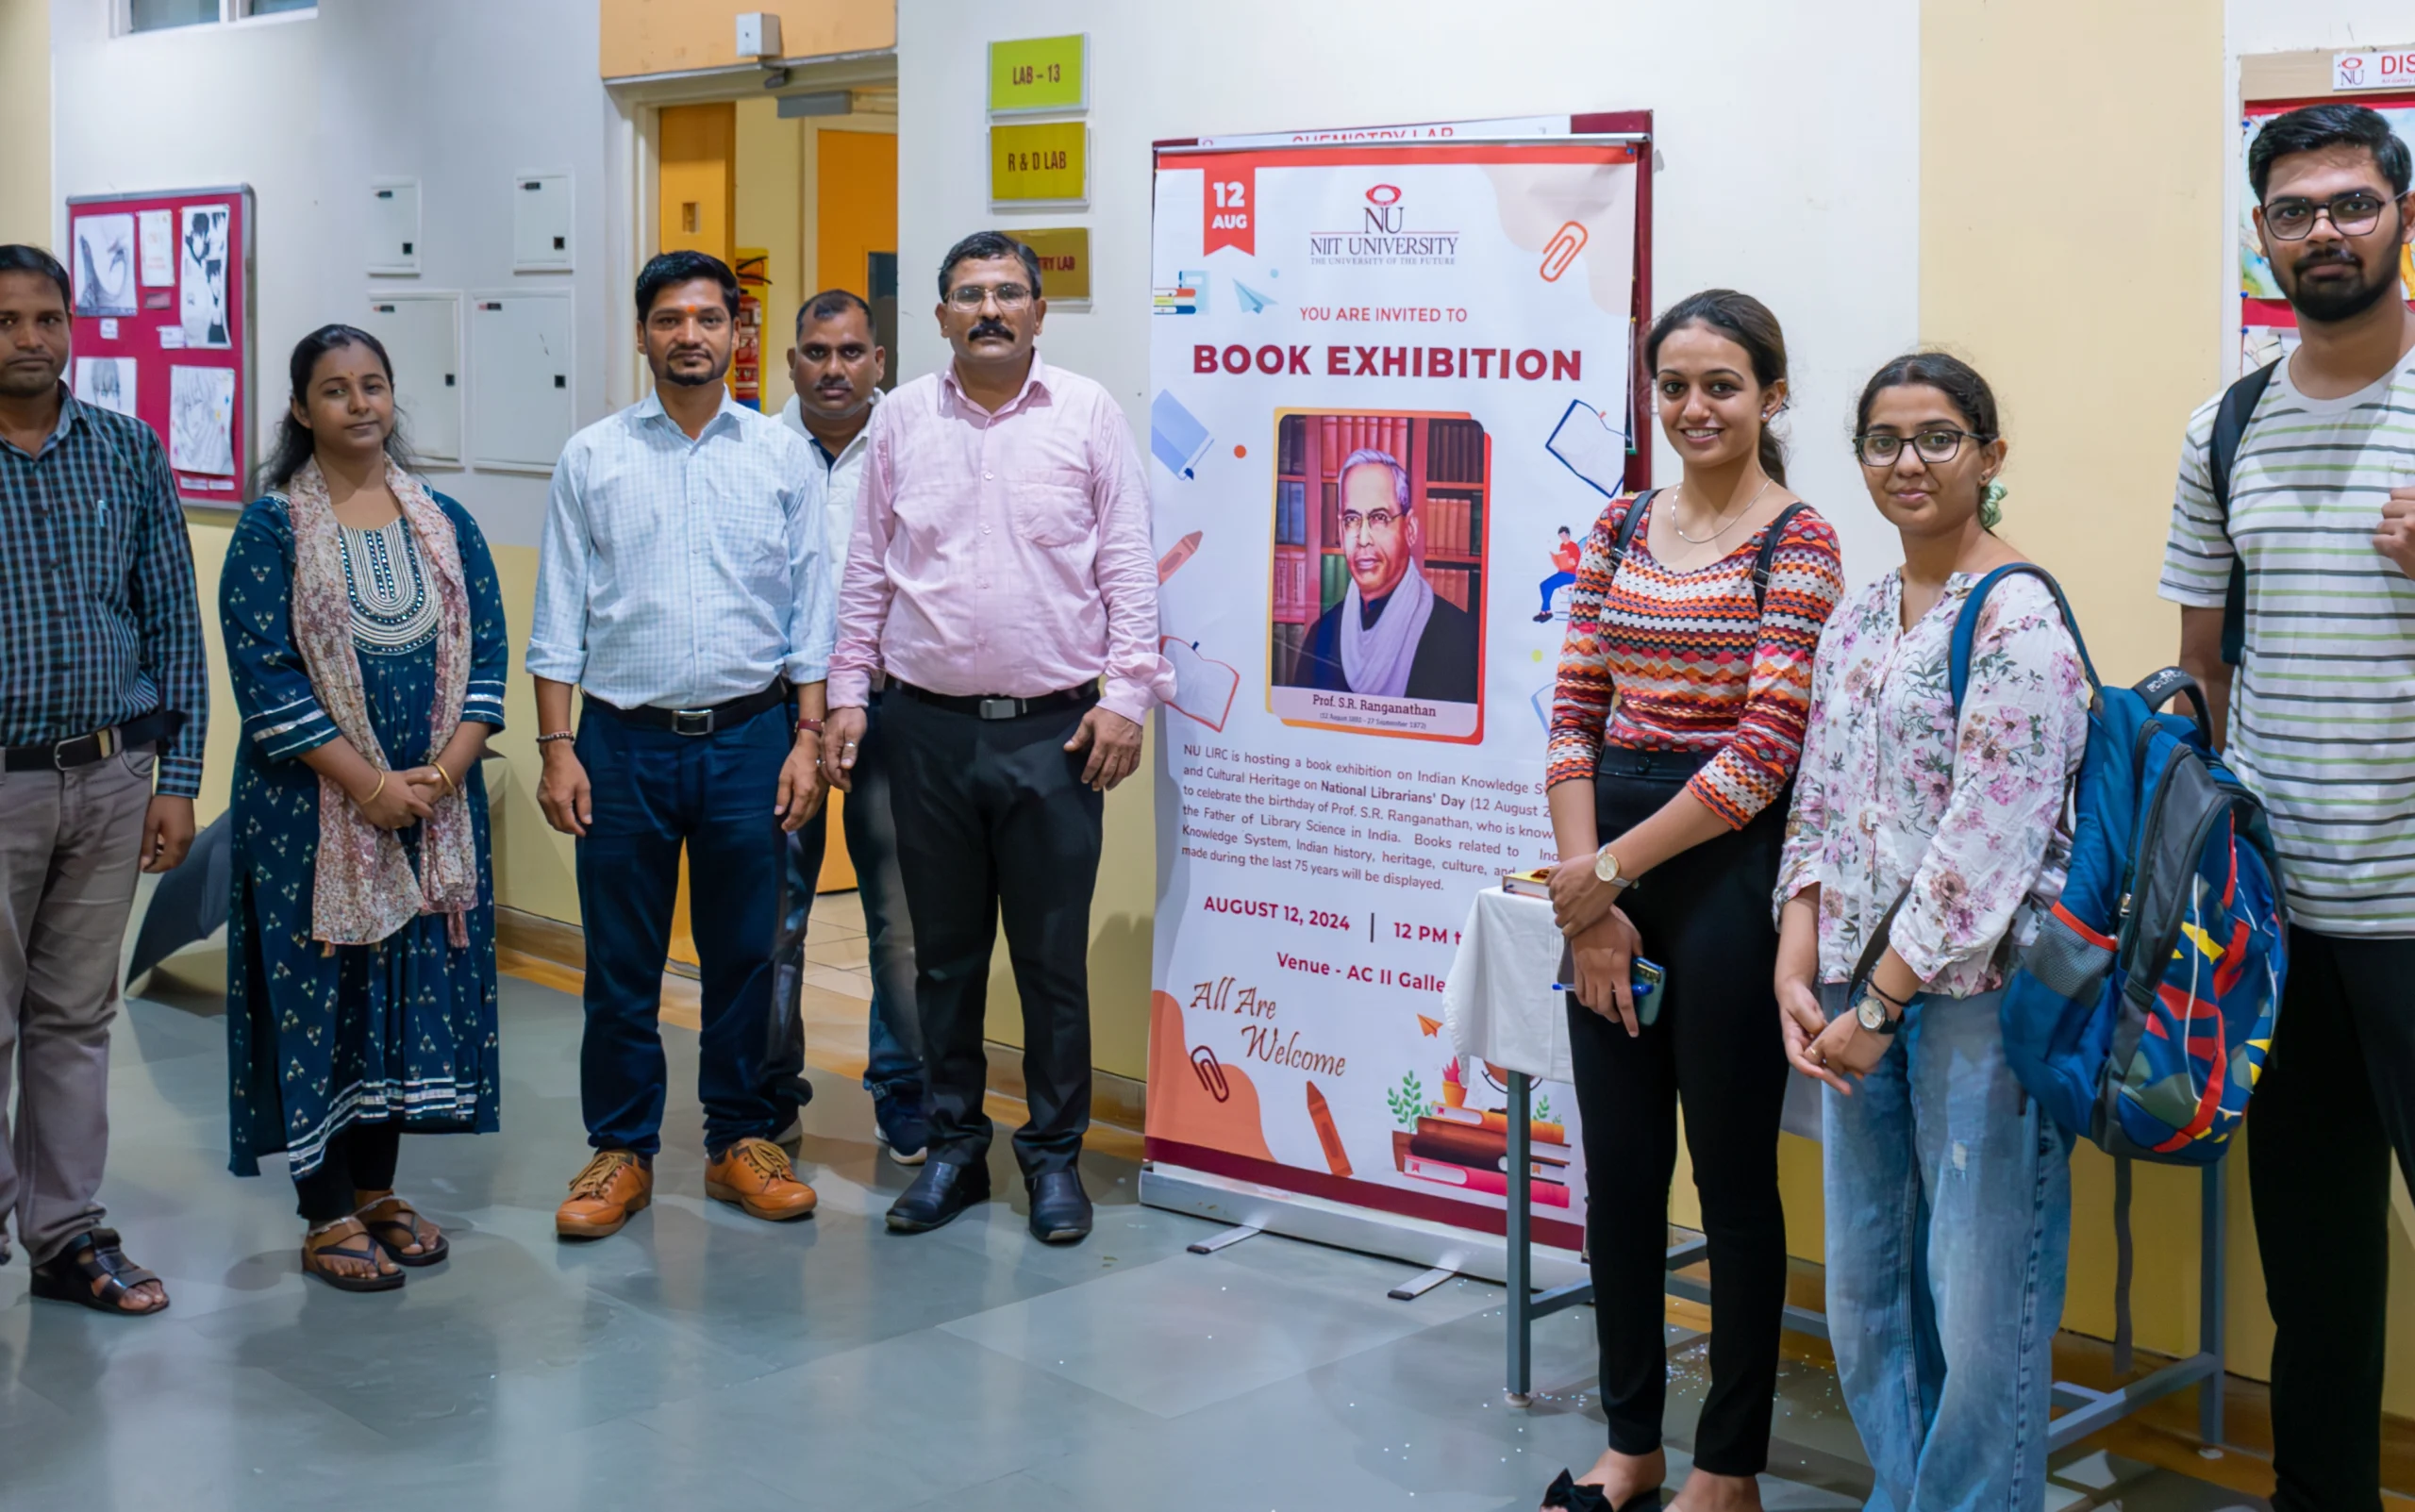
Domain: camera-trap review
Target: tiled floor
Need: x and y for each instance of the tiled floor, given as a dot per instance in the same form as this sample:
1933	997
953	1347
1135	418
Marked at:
701	1358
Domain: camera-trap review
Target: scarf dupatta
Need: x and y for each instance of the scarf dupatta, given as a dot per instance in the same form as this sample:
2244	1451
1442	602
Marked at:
1378	659
365	890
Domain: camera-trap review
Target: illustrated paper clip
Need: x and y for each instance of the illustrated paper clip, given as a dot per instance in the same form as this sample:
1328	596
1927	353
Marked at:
1212	1074
1561	250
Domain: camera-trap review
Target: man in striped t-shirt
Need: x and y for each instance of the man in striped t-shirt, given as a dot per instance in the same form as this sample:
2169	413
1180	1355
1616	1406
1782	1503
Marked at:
2321	513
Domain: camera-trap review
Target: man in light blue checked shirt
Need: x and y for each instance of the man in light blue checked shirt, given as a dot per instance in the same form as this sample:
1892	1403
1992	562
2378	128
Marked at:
684	586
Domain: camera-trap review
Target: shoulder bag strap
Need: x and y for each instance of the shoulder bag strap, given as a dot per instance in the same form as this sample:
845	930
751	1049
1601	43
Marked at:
2230	429
1626	538
1770	539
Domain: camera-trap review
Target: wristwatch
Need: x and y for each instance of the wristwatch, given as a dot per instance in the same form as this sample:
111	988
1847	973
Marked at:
1605	867
1869	1009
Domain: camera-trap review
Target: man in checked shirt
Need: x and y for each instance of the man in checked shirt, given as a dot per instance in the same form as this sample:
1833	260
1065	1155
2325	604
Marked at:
104	688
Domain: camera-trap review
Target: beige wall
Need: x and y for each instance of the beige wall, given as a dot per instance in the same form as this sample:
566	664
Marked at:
24	122
2072	246
663	36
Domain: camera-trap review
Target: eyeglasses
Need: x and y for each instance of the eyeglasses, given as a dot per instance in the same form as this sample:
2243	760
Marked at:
2352	214
970	297
1352	521
1879	449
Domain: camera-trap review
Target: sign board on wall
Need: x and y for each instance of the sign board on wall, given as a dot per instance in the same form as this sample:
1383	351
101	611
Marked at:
1064	253
1040	74
161	322
1387	373
2393	69
1042	162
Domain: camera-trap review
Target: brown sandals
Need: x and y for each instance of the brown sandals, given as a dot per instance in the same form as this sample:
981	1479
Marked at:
395	1226
68	1276
357	1245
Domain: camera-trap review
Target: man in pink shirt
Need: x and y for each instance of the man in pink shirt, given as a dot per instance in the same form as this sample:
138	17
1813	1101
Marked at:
1001	577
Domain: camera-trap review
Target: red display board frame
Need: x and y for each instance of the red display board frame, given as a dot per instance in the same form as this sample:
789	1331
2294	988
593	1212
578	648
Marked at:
158	309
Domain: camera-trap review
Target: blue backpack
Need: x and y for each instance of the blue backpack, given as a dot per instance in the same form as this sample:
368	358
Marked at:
2141	1014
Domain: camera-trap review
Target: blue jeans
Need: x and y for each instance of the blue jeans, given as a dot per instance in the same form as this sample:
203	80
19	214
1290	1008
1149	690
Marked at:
894	1063
1949	1229
652	792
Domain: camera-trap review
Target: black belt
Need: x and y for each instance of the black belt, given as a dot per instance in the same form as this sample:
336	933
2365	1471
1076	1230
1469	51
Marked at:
694	721
999	706
144	729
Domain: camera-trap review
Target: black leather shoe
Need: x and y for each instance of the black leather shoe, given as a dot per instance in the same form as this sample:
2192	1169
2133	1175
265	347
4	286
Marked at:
944	1189
1060	1210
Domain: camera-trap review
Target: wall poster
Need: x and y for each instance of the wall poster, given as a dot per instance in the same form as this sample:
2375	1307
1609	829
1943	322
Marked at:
2268	329
1391	381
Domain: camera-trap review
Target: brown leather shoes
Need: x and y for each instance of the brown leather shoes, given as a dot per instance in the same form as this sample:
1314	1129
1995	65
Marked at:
614	1184
756	1174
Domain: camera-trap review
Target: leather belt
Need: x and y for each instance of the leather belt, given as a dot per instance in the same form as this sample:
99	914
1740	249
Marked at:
999	706
698	721
83	750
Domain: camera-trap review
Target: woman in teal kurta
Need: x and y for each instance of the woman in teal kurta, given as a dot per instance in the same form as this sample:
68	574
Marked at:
365	637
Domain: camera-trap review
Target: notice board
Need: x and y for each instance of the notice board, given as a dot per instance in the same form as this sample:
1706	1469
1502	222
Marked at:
163	325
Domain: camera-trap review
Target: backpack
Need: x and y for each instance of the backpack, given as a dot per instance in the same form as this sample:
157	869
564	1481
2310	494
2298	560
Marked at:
1771	536
2141	1014
2230	429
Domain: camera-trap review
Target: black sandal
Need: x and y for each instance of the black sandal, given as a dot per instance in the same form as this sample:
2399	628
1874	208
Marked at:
358	1246
405	1223
1565	1492
68	1276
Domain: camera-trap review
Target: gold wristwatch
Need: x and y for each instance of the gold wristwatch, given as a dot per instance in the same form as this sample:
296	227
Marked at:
1605	867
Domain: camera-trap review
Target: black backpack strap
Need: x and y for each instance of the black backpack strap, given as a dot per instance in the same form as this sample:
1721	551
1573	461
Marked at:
1627	526
1770	539
2230	429
2125	1258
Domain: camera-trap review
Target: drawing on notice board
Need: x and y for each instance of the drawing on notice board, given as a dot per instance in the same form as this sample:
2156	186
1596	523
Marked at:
1590	445
201	295
1175	436
1202	687
105	383
158	235
105	265
201	421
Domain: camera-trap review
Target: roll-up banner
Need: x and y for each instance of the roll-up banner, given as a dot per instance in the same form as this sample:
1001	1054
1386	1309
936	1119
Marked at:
1392	389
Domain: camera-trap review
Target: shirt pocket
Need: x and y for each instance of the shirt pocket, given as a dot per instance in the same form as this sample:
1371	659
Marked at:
1051	505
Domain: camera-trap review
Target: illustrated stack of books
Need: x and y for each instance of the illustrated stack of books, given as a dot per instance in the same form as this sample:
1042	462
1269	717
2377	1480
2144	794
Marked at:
1461	1147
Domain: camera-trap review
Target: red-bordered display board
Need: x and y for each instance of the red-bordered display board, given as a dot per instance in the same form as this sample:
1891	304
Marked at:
163	325
2267	326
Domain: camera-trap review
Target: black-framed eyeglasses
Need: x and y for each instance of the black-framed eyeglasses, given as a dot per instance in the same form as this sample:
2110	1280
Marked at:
1880	448
2354	213
970	297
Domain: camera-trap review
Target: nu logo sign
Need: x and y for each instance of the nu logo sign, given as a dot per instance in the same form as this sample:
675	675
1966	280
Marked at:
1384	210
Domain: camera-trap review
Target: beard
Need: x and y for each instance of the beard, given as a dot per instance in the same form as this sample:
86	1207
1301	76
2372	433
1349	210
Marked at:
25	380
2335	300
711	373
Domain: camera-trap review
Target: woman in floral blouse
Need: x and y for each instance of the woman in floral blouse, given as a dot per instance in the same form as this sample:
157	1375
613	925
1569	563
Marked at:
1948	1195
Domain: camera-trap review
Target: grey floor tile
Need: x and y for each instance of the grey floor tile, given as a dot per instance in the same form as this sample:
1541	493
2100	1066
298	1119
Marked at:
1172	1336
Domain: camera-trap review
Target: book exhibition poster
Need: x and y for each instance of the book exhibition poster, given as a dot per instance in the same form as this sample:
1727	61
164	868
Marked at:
1390	396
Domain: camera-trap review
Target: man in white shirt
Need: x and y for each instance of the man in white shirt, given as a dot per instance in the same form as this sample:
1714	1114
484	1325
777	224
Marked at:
682	588
837	366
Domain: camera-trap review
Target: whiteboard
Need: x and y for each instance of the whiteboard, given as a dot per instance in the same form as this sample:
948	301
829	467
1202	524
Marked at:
422	335
520	380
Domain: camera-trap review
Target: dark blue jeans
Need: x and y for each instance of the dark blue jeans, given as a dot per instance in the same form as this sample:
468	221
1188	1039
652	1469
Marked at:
654	792
895	1044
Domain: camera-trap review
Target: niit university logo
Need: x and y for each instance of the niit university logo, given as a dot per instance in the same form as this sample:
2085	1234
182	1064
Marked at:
1385	213
1383	236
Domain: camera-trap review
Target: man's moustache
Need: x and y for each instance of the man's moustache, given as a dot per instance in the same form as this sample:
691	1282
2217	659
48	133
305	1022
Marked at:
990	329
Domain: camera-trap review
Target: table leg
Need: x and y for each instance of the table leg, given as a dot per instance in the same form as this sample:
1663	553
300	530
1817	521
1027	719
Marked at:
1521	1257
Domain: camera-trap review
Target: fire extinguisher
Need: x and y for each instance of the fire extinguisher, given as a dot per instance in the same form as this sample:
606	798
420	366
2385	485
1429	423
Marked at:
747	356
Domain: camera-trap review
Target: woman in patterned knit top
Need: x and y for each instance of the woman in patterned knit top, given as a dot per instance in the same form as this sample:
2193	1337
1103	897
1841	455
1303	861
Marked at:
365	638
1676	732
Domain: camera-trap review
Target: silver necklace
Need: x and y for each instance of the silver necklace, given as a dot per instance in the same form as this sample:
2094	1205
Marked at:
1739	514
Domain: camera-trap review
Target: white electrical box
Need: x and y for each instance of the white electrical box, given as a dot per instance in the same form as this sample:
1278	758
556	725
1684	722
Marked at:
422	335
394	225
541	223
759	34
520	380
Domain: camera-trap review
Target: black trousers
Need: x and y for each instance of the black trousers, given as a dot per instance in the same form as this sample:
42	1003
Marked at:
361	1158
1715	1048
2337	1096
992	821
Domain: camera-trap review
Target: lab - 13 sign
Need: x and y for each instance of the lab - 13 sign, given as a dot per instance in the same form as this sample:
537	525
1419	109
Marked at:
1046	161
1034	74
